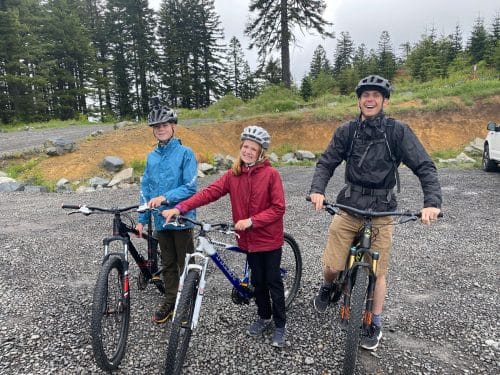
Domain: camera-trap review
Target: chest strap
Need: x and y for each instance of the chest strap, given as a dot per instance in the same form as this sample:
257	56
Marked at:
367	191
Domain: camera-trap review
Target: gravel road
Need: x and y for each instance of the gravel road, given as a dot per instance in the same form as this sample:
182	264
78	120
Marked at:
441	317
34	139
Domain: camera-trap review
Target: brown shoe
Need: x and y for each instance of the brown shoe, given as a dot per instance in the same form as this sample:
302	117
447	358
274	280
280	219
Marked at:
163	314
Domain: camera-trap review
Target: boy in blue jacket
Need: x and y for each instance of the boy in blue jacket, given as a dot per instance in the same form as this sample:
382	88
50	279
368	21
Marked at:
170	175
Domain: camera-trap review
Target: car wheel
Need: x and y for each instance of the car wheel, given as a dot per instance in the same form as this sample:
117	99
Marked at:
488	165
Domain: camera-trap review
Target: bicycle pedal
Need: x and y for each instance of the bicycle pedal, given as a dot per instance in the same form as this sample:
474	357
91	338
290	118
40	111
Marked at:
156	278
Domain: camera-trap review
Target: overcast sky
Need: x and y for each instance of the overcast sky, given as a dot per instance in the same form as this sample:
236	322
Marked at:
406	21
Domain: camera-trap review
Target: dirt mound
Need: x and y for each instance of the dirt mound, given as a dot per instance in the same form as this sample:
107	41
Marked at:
439	130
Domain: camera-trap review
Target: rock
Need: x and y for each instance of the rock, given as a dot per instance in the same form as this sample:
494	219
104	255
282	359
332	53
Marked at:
125	176
463	158
112	163
304	155
206	168
98	181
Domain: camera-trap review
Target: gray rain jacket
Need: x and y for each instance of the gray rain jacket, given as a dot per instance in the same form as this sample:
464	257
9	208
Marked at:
370	172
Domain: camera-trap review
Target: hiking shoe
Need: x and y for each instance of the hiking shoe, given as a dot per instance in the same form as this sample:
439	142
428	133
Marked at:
163	314
258	327
371	337
322	300
279	337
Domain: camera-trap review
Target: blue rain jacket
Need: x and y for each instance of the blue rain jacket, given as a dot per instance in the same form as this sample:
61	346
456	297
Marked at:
171	171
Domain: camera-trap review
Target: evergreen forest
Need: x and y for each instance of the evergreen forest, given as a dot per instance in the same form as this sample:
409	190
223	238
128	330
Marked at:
75	59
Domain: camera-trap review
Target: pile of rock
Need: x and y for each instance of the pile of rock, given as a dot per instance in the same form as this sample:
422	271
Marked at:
124	178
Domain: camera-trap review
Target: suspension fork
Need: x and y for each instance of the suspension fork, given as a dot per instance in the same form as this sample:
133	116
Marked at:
368	316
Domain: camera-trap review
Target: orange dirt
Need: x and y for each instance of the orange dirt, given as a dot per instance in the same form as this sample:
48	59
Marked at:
437	130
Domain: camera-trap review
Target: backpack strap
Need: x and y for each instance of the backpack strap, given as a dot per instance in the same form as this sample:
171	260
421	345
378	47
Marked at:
389	140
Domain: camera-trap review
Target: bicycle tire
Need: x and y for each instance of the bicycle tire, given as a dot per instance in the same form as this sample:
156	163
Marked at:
355	323
291	268
110	315
181	331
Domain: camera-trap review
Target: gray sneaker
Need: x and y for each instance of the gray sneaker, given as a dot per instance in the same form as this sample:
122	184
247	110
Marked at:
279	337
322	300
258	327
371	337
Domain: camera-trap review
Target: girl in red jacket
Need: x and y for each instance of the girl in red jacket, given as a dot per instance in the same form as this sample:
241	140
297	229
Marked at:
258	206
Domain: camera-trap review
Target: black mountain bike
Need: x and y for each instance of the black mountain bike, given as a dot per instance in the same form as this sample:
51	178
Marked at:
111	301
356	283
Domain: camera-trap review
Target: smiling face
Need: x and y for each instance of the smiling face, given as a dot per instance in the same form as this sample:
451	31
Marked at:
163	132
249	151
371	102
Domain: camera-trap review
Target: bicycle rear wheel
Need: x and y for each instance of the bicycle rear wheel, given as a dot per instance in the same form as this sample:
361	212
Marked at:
291	268
355	323
110	315
181	326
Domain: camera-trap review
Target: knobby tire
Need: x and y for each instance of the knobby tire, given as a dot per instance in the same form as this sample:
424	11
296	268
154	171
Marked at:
355	323
110	316
181	331
291	268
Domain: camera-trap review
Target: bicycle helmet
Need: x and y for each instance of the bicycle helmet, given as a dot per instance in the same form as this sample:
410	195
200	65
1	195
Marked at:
374	82
256	134
160	114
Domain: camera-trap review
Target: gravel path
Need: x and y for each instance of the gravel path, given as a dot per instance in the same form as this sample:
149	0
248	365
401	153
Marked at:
441	317
29	140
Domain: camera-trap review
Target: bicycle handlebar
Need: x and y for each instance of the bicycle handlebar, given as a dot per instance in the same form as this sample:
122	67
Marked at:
207	227
87	210
334	208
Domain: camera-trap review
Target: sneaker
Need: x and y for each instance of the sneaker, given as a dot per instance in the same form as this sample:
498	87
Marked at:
279	337
164	313
258	327
322	300
371	338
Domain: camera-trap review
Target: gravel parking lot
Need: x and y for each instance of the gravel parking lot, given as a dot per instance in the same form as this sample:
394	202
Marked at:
441	316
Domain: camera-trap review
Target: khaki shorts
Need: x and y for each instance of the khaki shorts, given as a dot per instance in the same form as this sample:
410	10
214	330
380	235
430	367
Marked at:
341	233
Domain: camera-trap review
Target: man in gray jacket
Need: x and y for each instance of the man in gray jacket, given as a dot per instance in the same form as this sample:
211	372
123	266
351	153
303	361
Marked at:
373	147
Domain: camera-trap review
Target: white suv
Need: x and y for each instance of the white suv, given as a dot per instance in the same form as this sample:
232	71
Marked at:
491	150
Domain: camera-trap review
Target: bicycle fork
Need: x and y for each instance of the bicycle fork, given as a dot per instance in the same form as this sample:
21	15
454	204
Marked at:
125	297
200	267
354	263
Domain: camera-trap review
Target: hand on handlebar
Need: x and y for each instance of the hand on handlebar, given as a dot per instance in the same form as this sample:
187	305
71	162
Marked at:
429	214
169	214
317	200
156	202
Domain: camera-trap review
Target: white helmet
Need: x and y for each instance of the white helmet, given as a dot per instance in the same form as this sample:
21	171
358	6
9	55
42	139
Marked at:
256	134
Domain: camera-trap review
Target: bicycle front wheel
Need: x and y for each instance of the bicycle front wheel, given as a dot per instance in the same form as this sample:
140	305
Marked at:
355	323
181	325
110	315
290	268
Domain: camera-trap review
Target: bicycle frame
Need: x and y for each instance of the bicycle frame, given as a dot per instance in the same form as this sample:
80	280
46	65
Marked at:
204	251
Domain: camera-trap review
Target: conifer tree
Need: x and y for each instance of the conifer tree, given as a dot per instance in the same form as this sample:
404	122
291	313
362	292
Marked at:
271	28
478	41
386	58
319	62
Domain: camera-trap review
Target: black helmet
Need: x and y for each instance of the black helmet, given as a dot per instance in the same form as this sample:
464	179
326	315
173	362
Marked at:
256	134
374	82
160	114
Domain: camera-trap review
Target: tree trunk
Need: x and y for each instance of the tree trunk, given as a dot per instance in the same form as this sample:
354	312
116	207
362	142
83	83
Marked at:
285	48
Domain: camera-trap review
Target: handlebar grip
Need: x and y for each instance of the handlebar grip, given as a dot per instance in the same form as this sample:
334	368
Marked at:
440	214
71	206
165	203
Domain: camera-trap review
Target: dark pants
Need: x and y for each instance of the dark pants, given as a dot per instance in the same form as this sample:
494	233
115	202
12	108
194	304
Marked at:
266	279
174	245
